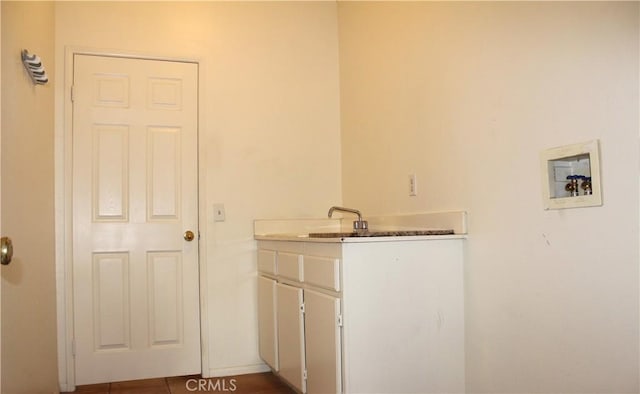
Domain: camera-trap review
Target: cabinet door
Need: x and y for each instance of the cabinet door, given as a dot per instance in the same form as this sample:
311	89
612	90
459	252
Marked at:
291	335
323	343
267	324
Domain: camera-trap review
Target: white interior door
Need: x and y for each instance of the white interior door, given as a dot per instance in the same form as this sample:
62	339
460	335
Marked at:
135	275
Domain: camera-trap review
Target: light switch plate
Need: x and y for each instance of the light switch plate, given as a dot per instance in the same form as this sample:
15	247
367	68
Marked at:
218	213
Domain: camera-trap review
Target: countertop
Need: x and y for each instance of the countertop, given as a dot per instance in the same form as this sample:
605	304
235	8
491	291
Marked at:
371	236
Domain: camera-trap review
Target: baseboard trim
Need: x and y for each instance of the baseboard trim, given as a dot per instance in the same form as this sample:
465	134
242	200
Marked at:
240	370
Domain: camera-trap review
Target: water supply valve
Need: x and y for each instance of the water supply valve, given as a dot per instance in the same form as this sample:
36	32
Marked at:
586	186
572	187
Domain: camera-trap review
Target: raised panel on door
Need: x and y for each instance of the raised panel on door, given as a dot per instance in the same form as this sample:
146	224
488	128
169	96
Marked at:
267	327
291	356
135	192
110	172
164	173
111	301
323	341
165	298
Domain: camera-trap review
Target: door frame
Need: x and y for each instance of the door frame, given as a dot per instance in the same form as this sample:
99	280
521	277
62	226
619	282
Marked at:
0	195
64	209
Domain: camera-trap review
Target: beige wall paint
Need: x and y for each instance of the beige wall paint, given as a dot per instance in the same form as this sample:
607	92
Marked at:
466	95
29	360
269	126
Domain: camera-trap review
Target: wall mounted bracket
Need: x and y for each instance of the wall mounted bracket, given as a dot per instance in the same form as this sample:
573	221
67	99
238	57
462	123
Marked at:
33	65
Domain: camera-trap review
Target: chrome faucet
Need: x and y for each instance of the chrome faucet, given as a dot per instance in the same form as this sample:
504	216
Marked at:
358	225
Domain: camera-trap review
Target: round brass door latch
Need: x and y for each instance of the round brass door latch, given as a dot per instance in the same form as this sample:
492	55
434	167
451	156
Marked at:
6	250
189	236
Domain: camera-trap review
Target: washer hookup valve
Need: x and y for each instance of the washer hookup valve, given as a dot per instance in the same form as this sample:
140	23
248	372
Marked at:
573	187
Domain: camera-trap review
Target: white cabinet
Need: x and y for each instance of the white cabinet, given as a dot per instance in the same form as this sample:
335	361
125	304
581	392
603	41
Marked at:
403	317
323	342
267	317
290	266
364	316
299	315
267	321
291	351
323	272
267	262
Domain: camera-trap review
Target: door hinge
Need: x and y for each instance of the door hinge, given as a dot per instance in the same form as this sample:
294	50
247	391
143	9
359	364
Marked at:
73	96
302	308
304	375
339	320
73	347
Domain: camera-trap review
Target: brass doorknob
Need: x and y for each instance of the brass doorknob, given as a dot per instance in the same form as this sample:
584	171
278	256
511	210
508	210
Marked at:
189	236
6	250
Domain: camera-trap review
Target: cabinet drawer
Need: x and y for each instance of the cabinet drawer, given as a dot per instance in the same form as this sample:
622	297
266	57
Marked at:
322	272
290	266
267	261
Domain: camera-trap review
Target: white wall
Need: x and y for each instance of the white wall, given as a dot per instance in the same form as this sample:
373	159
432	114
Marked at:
270	126
466	95
29	362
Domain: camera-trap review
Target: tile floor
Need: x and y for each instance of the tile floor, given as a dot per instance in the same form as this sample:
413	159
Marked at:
259	383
